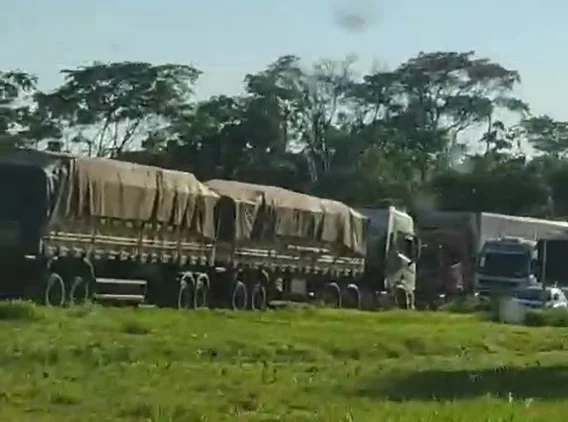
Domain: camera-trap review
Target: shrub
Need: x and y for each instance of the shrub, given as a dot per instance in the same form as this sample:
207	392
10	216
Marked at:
18	310
468	305
547	318
134	327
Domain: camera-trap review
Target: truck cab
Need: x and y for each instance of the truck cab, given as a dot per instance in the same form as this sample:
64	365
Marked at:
402	252
392	252
505	264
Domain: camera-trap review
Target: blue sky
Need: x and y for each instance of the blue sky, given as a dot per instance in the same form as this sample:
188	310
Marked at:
228	38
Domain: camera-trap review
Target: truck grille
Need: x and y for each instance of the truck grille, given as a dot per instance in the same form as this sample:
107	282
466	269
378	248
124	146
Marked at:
485	285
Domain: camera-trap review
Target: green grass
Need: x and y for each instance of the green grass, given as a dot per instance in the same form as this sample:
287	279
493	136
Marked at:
97	364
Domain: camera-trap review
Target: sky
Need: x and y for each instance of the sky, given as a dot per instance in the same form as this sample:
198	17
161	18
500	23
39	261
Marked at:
226	39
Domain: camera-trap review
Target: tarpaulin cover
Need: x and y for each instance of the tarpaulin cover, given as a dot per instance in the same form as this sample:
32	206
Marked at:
108	188
267	212
185	201
104	188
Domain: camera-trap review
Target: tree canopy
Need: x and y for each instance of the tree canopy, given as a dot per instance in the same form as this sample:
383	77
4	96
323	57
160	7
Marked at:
442	129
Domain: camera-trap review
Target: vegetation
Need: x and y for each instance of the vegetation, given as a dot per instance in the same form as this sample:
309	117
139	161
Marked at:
93	363
442	128
547	318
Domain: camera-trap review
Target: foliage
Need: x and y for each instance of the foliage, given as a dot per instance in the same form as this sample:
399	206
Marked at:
547	318
302	364
107	105
443	127
468	305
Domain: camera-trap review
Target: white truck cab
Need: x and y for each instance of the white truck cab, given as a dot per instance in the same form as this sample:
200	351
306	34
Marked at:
505	264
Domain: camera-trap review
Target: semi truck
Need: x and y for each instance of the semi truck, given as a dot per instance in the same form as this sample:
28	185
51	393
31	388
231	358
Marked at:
551	266
393	251
74	229
508	251
485	253
446	264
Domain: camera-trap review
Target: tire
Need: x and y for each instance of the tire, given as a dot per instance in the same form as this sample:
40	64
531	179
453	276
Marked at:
352	296
239	297
258	298
200	294
54	286
185	295
79	292
332	295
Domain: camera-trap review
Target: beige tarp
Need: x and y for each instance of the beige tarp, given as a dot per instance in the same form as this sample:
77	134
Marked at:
114	189
246	203
120	190
185	201
267	211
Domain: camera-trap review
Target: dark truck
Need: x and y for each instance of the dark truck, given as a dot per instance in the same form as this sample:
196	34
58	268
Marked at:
447	261
551	264
485	253
74	229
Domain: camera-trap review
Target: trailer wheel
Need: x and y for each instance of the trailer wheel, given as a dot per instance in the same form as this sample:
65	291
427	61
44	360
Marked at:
79	292
352	297
54	293
239	298
200	292
258	297
185	296
332	295
186	291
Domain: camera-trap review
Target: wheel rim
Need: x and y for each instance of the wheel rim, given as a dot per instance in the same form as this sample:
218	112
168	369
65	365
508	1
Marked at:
185	295
183	298
54	291
78	284
200	296
331	298
354	298
239	297
259	297
202	282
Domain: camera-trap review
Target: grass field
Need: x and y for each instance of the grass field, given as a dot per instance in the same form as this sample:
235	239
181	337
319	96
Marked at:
96	364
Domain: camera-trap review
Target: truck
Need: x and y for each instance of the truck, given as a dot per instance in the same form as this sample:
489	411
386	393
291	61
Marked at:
373	262
508	251
393	251
476	252
74	229
551	266
447	261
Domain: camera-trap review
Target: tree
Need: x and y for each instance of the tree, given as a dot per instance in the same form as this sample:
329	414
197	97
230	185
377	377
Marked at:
444	93
108	107
15	88
497	184
547	135
404	134
306	105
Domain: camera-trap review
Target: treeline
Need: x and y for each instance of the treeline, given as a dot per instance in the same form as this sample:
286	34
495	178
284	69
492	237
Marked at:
430	132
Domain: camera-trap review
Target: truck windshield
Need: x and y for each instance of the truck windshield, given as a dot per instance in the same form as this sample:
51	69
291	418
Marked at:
504	264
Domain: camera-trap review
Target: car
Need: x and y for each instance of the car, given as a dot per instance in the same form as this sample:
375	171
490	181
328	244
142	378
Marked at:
541	297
